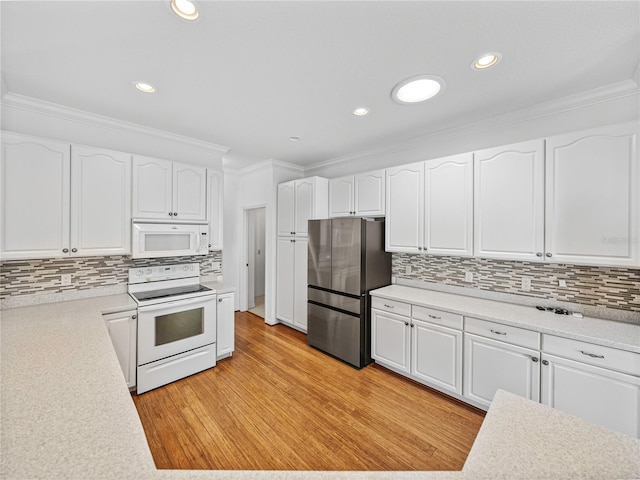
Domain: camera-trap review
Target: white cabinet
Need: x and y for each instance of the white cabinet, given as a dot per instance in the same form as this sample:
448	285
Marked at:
215	210
225	322
593	197
122	329
300	201
391	340
100	202
291	281
448	213
361	195
165	190
62	200
509	202
405	208
35	197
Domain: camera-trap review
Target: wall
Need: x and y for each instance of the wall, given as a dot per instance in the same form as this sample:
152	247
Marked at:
260	251
22	281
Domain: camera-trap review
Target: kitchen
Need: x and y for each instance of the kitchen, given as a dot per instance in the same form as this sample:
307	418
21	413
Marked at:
588	94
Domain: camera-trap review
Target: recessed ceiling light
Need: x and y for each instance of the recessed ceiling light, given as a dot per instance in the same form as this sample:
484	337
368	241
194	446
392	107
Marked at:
145	87
417	89
486	60
360	111
294	139
185	9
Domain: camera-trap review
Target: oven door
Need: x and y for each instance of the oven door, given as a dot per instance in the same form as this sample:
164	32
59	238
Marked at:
171	328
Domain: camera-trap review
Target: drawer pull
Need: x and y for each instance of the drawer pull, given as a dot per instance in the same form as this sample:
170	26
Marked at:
497	332
534	359
593	355
388	306
433	316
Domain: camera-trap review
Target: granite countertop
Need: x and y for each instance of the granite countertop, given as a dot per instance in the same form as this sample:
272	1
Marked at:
67	413
624	336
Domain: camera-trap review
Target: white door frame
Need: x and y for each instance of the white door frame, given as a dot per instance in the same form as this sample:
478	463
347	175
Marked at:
243	289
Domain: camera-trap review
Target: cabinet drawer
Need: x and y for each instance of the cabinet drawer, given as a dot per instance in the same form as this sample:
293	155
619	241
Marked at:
446	319
393	306
504	333
607	357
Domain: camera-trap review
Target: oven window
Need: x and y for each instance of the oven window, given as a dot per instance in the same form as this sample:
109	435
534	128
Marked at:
179	325
167	242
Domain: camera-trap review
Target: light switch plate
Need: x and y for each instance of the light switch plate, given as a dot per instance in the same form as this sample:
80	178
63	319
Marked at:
65	279
407	269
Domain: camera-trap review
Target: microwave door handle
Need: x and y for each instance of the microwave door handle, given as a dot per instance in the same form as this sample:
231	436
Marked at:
182	303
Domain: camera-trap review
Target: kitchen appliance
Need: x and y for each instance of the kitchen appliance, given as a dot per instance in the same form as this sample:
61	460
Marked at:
176	323
346	260
153	240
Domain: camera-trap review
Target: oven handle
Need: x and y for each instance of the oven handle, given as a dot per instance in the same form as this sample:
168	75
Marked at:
181	303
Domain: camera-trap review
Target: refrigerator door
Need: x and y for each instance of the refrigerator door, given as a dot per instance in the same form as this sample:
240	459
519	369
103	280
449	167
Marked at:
319	260
346	253
336	333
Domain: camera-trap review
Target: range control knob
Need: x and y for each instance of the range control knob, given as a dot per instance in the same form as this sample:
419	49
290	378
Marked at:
139	273
148	271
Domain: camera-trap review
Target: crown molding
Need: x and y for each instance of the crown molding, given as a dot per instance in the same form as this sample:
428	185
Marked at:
43	107
265	163
607	93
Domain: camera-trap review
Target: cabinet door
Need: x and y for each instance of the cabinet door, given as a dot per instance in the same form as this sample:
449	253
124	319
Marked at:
304	198
100	202
491	365
300	283
152	188
391	340
286	208
509	202
436	355
341	197
215	193
593	197
285	281
122	329
225	319
405	208
370	193
34	197
189	192
598	395
449	206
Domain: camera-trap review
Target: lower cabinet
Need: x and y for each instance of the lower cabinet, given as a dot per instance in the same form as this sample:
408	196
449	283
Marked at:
391	340
225	318
122	329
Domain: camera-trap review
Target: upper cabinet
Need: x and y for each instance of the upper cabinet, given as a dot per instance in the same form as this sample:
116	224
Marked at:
509	202
215	204
165	190
300	201
360	195
59	200
405	208
593	197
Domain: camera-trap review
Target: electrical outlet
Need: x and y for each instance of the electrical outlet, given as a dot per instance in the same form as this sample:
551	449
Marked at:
407	269
216	265
65	279
562	283
525	285
468	276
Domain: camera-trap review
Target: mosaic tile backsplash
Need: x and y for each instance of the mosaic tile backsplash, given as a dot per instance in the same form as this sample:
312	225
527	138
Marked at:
33	277
617	288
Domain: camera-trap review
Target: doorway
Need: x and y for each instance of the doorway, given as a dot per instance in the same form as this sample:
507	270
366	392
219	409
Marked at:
256	261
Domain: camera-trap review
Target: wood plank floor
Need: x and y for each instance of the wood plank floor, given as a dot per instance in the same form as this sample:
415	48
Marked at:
279	404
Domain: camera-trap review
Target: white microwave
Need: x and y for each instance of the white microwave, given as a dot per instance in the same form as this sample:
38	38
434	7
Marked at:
152	240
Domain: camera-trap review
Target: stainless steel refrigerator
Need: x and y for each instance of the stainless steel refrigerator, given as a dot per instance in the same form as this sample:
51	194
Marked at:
346	261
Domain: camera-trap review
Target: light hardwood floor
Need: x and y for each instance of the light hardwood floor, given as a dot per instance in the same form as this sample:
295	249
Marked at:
279	404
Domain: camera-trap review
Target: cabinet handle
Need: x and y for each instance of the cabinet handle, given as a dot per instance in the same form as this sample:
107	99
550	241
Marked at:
65	250
388	306
134	316
534	359
175	214
545	362
74	250
412	325
433	316
171	214
406	323
593	355
549	255
497	332
538	254
209	245
219	300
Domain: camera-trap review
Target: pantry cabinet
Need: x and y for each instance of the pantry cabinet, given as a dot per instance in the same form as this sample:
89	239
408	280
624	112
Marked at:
122	328
509	202
359	195
300	201
164	190
63	200
593	197
225	321
405	208
215	210
291	281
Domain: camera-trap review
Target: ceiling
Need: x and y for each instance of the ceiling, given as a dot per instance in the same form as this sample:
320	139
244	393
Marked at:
249	75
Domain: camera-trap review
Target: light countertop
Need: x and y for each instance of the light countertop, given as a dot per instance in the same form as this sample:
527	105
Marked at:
67	413
625	336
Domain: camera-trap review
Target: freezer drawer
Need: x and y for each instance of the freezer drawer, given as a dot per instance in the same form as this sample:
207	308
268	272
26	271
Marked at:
336	300
338	334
